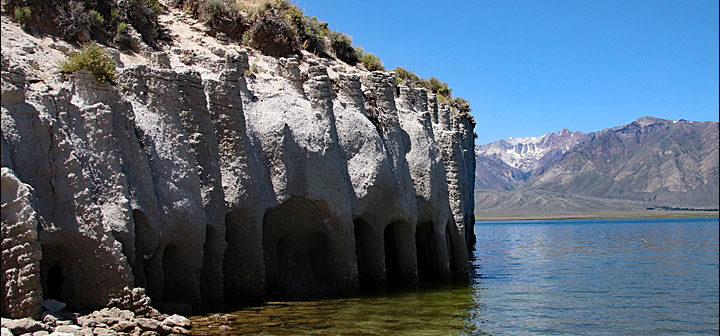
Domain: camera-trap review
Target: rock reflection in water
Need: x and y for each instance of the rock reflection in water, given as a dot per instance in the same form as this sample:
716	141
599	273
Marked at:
438	311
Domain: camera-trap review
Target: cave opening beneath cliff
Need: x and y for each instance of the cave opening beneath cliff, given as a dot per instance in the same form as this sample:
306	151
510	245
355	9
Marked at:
141	265
363	245
172	266
393	270
54	283
451	251
428	254
211	275
54	272
298	256
242	260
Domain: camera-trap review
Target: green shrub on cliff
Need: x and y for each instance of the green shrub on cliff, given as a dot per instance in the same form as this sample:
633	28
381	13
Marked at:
404	75
342	47
78	21
369	60
275	27
311	31
22	13
93	58
438	87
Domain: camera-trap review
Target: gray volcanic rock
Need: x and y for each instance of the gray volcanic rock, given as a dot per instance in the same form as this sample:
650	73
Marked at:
21	289
204	183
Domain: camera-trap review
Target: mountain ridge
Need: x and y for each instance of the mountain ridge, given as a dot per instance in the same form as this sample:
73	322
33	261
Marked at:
654	161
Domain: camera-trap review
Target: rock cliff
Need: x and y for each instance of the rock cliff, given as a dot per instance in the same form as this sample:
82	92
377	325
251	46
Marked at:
211	174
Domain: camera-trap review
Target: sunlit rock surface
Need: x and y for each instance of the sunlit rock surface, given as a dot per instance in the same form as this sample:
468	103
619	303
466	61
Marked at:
207	184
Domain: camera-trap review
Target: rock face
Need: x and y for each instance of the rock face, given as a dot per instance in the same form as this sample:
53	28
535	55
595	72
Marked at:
207	184
21	290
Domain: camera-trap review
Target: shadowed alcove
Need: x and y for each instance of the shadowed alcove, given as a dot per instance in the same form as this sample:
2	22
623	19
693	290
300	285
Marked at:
54	283
143	251
393	270
53	273
298	257
457	255
367	248
172	267
243	258
451	254
428	254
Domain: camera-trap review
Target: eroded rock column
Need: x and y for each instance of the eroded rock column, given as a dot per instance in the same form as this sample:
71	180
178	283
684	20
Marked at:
21	288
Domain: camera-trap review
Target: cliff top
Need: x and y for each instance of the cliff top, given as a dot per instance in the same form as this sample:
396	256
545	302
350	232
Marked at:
199	32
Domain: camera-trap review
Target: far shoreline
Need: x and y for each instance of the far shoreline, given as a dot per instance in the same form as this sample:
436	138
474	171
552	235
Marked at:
701	214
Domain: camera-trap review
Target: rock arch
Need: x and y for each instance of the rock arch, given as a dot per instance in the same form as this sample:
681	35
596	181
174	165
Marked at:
431	254
399	254
369	254
299	250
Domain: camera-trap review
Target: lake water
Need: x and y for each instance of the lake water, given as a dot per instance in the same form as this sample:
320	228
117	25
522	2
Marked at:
559	277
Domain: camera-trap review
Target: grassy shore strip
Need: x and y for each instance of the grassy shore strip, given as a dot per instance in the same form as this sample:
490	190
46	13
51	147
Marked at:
598	216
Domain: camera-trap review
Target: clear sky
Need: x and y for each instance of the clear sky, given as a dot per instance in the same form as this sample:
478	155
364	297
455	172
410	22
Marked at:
531	67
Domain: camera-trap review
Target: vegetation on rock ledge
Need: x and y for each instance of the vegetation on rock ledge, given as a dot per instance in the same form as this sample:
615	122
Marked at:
275	27
438	87
95	60
81	21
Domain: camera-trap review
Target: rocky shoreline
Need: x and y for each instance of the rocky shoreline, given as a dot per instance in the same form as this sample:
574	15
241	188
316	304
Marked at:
105	322
130	314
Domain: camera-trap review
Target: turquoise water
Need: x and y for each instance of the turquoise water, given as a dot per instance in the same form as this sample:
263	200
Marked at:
559	277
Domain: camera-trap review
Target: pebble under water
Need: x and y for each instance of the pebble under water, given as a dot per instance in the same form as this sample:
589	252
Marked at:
552	277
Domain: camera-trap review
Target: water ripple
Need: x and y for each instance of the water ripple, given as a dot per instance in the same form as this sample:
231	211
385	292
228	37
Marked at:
570	277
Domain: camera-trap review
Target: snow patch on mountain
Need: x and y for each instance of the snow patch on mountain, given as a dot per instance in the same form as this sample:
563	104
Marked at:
528	153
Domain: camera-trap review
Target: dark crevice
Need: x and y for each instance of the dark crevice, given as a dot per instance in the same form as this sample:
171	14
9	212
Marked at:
393	272
54	283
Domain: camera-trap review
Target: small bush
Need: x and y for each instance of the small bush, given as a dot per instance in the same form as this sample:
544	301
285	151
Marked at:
22	13
115	14
371	62
142	14
121	28
273	36
83	20
93	58
342	46
405	75
155	6
311	31
437	87
462	105
97	18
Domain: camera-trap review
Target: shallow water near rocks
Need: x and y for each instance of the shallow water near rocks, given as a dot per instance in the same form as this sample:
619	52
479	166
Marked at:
553	277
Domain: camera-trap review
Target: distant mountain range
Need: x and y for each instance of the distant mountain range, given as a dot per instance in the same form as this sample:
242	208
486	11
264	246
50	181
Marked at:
650	162
507	163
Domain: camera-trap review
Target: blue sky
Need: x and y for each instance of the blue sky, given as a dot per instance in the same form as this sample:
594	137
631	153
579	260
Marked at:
532	67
